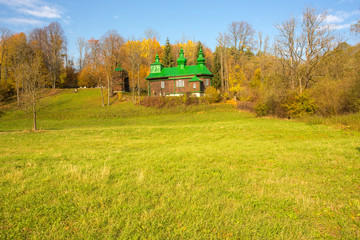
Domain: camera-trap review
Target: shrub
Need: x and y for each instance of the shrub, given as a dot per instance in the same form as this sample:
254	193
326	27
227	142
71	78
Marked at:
212	95
262	109
245	105
298	105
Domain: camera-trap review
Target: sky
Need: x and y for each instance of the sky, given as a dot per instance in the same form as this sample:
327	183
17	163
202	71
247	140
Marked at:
198	20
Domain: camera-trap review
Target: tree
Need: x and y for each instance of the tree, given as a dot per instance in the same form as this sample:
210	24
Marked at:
82	48
289	48
133	50
356	27
18	53
241	34
167	60
110	47
33	82
95	63
55	48
4	38
318	42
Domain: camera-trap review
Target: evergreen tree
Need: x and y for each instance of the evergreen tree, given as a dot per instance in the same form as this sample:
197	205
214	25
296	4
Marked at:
167	60
198	46
216	81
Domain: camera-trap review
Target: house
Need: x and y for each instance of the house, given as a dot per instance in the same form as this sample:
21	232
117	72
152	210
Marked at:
175	81
120	80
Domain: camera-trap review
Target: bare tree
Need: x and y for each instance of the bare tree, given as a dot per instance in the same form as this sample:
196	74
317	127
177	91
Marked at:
81	47
56	45
95	60
318	42
223	41
356	27
301	49
241	34
33	83
289	48
110	47
151	34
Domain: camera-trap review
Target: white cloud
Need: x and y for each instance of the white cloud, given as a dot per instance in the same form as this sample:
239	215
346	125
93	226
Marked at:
333	19
22	21
36	8
340	20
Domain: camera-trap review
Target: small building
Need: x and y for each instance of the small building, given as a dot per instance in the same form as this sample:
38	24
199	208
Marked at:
175	81
120	80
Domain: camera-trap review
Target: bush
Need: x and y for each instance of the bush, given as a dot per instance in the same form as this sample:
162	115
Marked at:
245	105
262	109
212	95
298	105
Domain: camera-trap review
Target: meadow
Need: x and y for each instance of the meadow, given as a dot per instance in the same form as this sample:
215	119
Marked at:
196	172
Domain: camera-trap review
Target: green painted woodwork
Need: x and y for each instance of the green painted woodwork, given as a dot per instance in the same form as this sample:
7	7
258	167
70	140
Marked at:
181	61
201	59
156	67
175	72
195	79
119	69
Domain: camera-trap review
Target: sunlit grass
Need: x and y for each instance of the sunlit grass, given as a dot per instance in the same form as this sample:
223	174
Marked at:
195	173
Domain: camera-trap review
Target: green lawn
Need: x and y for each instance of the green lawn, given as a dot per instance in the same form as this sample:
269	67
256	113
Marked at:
201	172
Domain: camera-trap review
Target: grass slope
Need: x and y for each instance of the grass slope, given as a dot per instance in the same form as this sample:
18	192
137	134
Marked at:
200	172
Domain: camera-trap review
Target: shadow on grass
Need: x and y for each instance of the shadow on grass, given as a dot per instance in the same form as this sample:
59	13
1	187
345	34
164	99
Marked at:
358	148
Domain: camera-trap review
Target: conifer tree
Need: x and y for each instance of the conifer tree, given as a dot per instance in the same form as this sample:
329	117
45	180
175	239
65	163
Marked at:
167	60
198	46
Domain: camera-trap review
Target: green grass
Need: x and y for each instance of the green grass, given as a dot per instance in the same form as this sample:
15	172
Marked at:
349	121
203	172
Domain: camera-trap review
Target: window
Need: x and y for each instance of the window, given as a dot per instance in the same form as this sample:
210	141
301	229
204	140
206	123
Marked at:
162	84
194	85
180	83
206	82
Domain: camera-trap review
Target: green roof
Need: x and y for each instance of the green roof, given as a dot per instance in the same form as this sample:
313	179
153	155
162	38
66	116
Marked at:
195	79
176	71
119	69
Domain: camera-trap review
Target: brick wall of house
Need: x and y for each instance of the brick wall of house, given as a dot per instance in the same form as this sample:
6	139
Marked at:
156	90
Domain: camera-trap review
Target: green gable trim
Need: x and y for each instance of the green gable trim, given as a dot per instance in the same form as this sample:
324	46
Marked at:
195	79
177	72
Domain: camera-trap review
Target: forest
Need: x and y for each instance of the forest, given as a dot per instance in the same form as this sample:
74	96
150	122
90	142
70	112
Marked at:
306	69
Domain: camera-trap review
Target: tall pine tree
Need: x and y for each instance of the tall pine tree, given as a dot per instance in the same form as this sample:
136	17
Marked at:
198	46
167	59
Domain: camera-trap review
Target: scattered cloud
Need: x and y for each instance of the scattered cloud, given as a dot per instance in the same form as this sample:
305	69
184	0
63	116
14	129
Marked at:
341	19
36	8
23	21
333	19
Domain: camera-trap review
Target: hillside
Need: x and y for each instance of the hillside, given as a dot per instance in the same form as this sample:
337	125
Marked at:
206	171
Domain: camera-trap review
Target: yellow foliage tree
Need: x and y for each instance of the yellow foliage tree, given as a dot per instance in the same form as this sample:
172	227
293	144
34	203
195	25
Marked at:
236	79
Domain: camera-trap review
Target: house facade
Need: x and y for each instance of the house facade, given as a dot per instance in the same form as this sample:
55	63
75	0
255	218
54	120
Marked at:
120	80
178	80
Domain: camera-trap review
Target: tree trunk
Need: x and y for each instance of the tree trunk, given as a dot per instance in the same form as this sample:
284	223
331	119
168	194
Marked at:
108	85
17	94
34	113
102	96
139	86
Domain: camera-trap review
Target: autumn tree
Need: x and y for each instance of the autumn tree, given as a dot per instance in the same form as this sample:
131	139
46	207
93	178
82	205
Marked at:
18	53
356	27
133	52
110	47
96	63
4	40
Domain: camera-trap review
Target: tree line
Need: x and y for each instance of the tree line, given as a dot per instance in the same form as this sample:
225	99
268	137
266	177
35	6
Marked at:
305	70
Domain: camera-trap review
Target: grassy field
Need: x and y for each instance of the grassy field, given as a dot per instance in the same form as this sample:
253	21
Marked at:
202	172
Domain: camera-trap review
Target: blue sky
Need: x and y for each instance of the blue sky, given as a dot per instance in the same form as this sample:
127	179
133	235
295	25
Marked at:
196	20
